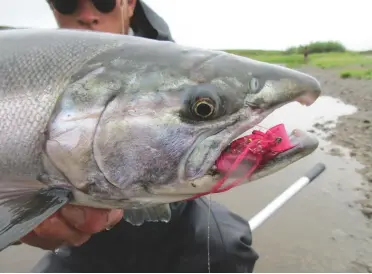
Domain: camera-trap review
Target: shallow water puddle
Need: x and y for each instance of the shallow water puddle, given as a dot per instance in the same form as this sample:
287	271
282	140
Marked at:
325	110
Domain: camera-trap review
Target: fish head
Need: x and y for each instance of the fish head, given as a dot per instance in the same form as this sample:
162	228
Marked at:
168	130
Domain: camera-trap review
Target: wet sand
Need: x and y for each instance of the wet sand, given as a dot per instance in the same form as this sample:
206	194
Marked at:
325	228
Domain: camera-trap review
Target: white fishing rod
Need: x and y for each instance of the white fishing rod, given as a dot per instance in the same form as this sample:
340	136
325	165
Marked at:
291	191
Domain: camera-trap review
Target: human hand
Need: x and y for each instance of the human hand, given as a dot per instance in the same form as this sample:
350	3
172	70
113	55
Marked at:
71	225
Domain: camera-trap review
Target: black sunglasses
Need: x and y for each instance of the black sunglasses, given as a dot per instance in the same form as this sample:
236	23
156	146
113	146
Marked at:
67	7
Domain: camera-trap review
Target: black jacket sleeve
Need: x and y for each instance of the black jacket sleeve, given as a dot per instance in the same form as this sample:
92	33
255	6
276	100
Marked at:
178	246
229	238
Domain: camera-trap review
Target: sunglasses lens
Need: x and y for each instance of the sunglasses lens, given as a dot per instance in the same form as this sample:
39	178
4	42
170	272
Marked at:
104	6
65	6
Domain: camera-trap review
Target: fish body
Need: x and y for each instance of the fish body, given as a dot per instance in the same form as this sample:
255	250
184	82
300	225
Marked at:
115	121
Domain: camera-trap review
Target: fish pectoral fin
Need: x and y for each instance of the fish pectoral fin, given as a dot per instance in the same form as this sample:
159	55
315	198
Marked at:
160	213
23	207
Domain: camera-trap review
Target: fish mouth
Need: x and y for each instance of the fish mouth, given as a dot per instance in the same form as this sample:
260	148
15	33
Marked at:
303	144
300	144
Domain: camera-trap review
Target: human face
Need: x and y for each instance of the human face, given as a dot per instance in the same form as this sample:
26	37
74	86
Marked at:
87	16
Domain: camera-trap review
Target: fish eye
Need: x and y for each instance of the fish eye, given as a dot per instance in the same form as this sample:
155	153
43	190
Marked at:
203	107
255	85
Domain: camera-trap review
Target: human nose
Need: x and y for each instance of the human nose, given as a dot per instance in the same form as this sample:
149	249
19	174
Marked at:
87	14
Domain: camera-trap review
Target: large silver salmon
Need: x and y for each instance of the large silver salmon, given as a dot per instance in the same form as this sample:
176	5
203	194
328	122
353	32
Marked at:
116	121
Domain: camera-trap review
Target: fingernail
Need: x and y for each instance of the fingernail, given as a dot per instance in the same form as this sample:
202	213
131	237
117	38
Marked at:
114	216
75	215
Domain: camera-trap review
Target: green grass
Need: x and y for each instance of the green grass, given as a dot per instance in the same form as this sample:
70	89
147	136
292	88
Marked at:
360	63
339	60
357	74
322	54
323	60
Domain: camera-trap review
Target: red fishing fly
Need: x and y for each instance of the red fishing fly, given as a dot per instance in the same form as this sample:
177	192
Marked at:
257	148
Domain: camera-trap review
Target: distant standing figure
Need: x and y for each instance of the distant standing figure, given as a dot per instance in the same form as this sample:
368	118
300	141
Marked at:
306	53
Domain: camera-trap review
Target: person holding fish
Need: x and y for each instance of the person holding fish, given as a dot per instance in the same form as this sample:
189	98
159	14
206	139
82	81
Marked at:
84	239
108	112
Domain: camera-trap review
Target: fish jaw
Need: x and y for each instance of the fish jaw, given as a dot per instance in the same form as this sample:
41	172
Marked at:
302	144
291	147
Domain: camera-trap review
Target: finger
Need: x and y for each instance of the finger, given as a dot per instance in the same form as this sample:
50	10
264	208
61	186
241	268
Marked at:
34	240
90	220
97	220
56	229
115	216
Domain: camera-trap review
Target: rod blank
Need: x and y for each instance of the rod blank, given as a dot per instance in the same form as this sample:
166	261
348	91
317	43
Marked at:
291	191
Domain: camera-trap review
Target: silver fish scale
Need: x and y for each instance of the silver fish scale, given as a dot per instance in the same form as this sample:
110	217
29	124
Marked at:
34	70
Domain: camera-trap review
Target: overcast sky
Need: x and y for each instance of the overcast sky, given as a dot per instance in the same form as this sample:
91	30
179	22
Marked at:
264	24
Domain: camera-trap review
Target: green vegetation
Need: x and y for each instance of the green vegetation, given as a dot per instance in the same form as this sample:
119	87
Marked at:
357	73
318	47
326	55
5	27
